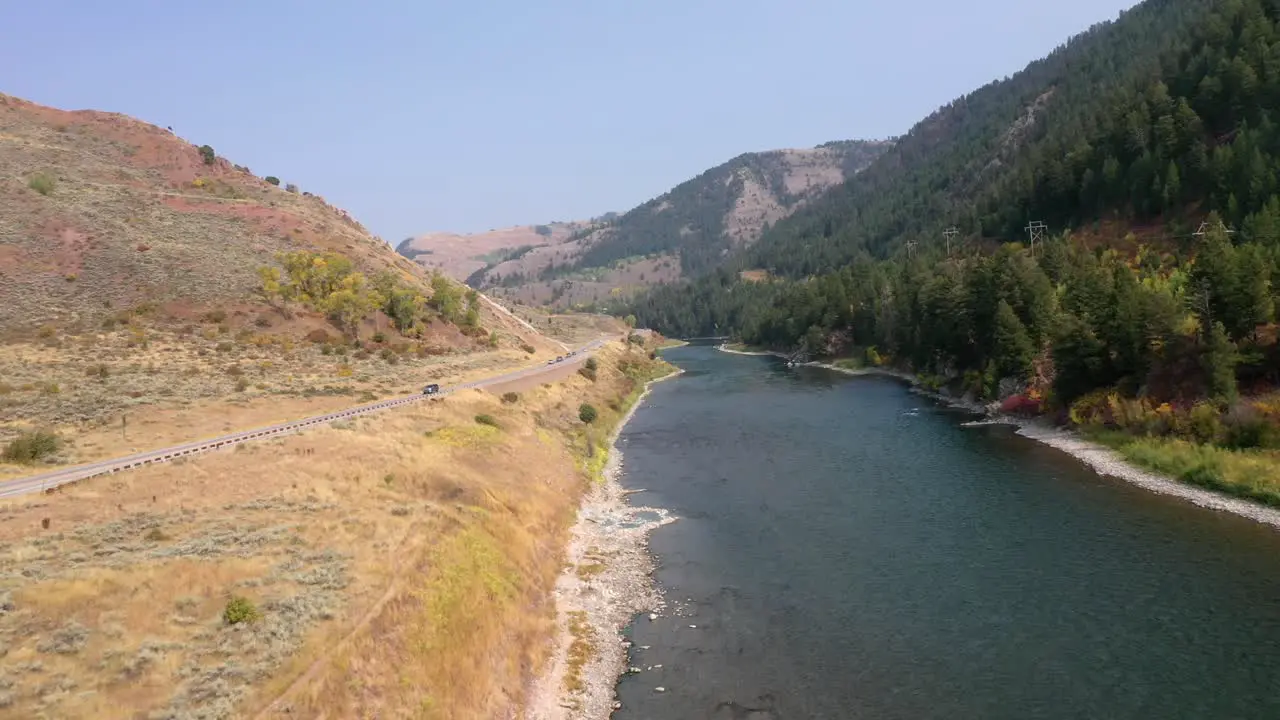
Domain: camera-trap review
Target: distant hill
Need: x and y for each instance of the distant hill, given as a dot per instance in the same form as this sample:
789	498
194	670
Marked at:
684	232
460	255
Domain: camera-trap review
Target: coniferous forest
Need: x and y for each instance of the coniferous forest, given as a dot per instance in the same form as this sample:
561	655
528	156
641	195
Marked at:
1149	148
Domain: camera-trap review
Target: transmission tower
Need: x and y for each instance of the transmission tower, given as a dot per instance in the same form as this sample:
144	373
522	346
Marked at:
950	234
1204	228
1036	230
911	247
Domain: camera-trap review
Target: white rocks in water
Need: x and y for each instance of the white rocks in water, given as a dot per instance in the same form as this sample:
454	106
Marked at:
644	647
655	667
659	689
693	627
634	670
653	616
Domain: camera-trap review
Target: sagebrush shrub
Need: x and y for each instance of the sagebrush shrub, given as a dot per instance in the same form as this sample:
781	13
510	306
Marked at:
240	610
31	446
42	183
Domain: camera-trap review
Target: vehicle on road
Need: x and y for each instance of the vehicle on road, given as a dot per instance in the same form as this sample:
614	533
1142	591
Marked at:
431	389
560	358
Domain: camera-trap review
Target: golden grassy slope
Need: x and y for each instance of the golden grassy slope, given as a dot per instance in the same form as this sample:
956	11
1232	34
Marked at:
403	565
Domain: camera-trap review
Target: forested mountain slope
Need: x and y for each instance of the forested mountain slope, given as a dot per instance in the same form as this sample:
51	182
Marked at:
683	233
1149	147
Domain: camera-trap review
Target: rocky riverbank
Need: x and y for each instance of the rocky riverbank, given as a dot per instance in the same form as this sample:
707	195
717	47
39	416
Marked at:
608	581
731	351
1099	458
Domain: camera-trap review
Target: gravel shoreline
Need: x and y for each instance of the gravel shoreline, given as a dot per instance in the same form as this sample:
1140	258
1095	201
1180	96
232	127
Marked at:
1100	459
607	582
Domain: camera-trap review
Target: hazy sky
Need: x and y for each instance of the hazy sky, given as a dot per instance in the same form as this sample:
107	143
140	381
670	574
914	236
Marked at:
469	115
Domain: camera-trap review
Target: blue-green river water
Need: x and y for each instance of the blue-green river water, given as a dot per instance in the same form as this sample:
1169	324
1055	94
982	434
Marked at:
847	549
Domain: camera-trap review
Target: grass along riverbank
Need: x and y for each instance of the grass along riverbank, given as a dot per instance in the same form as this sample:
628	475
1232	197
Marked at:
1250	474
400	564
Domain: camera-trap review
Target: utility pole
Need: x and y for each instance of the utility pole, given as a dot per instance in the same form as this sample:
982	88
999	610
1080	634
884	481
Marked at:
950	234
1036	229
911	248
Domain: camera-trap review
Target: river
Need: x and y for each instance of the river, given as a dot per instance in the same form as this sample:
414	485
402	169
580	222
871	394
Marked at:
846	549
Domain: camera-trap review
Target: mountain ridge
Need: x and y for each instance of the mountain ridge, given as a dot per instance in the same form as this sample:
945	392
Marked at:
683	231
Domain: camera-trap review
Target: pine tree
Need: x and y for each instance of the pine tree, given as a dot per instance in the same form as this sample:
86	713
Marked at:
1218	361
1012	351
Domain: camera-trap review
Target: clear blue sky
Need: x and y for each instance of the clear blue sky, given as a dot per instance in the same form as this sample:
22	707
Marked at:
464	116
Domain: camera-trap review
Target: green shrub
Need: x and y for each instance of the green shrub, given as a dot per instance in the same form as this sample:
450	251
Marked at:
273	180
208	154
216	316
592	364
379	337
528	348
635	339
31	446
240	610
587	413
487	420
100	371
42	183
1245	428
388	355
588	373
224	346
1204	422
510	397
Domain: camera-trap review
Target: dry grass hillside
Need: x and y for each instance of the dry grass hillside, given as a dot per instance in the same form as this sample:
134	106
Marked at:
398	565
683	232
132	303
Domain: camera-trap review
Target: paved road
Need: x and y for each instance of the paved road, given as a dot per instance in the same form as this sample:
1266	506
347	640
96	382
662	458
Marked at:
46	481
